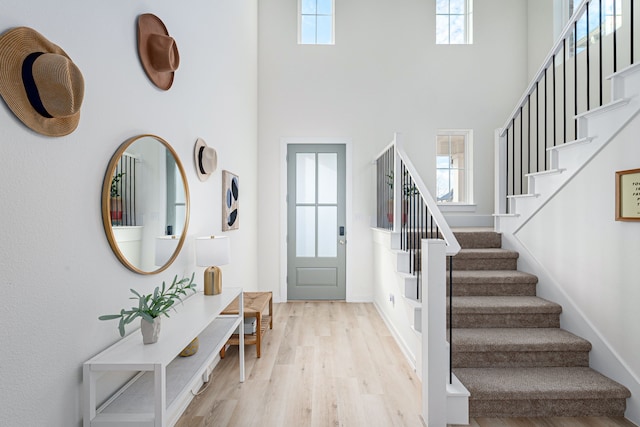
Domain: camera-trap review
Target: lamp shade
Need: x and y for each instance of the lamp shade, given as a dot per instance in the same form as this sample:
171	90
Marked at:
212	251
165	248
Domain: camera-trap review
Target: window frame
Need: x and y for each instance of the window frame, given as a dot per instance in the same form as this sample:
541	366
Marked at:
467	27
589	32
333	24
468	165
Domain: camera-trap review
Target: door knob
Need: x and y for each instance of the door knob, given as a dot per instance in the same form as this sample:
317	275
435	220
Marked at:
342	242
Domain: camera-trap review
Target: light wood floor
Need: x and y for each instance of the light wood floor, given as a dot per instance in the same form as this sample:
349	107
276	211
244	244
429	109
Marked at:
328	364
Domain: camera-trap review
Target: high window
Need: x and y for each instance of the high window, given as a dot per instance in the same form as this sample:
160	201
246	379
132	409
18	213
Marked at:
315	21
609	16
454	22
453	166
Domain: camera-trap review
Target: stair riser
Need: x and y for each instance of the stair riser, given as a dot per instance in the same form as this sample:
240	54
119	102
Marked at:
485	264
506	320
518	359
547	408
492	289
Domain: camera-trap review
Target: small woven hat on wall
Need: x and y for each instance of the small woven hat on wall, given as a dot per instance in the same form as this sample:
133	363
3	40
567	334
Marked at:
206	159
157	50
39	82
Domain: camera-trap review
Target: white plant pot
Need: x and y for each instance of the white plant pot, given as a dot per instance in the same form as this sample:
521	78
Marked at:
150	331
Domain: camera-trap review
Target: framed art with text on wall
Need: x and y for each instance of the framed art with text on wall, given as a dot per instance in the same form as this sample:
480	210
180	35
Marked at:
230	188
628	195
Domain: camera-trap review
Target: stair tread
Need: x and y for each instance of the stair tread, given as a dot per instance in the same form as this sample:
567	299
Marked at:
503	304
539	383
478	237
492	276
517	339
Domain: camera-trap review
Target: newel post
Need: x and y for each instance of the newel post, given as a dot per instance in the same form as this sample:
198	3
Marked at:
397	184
500	162
435	363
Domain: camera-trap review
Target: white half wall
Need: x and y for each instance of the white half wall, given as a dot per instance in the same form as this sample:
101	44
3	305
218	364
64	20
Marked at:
58	271
388	290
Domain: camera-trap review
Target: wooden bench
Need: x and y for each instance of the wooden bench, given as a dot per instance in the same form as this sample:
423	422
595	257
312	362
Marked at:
255	304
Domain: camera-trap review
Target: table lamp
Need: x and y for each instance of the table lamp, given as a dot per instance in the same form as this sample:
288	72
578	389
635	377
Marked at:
211	252
165	248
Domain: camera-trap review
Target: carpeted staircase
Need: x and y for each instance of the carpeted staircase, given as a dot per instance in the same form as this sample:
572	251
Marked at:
508	348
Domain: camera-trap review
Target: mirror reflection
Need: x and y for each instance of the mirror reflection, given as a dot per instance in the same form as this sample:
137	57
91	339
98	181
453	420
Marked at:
145	204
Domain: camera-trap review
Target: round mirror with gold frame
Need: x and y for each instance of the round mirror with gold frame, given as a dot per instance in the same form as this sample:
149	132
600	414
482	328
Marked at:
145	204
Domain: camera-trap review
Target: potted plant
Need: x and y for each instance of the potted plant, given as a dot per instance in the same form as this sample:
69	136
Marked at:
116	201
151	307
408	190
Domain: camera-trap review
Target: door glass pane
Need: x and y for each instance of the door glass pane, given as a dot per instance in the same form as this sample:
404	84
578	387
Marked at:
327	231
180	194
305	178
305	231
327	177
181	216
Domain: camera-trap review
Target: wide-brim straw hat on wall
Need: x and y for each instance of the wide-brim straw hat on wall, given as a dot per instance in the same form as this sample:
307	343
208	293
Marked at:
39	82
157	50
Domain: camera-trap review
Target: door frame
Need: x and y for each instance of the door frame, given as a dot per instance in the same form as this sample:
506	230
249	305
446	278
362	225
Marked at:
284	142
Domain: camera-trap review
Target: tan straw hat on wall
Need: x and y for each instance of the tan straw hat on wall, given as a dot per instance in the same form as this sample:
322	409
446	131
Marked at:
158	51
39	82
206	159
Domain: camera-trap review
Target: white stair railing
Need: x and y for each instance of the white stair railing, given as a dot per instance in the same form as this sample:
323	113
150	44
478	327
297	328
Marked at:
597	41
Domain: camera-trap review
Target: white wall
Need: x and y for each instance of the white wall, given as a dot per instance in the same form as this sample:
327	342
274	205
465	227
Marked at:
398	314
540	28
384	75
58	271
590	261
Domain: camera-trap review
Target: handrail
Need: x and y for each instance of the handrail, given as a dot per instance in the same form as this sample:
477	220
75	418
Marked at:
453	247
385	149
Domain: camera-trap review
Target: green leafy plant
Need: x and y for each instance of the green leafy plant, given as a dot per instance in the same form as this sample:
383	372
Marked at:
407	189
114	184
153	305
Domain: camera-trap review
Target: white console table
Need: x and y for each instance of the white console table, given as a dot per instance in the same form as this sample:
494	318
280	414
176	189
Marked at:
162	388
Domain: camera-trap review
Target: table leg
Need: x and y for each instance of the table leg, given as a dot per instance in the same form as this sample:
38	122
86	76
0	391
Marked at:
259	333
